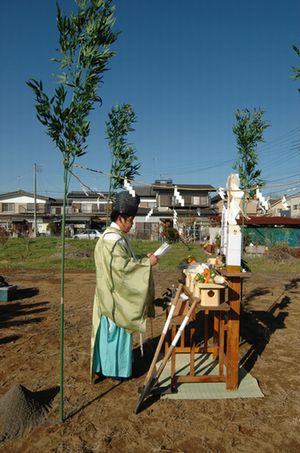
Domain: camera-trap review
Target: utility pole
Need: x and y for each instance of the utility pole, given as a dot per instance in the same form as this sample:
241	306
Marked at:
34	209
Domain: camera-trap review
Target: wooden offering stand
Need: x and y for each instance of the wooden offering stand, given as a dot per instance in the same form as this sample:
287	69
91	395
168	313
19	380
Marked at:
226	325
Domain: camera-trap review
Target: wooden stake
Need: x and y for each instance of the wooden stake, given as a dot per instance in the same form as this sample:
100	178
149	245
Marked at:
153	377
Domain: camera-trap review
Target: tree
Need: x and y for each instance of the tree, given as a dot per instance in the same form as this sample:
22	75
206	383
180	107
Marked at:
249	130
296	71
124	160
84	39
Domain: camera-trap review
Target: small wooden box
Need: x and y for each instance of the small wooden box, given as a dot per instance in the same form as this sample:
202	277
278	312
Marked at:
210	294
190	280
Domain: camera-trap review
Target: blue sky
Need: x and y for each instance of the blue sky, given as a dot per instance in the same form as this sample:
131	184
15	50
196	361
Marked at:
185	67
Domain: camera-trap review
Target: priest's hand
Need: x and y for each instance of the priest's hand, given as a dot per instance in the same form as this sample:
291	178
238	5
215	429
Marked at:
152	258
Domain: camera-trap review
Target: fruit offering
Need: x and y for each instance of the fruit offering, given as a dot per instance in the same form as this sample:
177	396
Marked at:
206	276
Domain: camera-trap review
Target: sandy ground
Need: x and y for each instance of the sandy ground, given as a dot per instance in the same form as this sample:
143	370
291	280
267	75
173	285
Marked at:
101	417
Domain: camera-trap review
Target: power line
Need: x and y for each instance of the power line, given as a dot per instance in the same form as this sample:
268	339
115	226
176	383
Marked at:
280	179
281	139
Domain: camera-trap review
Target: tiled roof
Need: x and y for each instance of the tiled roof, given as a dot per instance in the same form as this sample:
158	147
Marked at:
22	193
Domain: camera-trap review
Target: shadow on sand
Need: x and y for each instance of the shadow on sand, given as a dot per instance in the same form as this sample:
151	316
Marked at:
11	312
257	326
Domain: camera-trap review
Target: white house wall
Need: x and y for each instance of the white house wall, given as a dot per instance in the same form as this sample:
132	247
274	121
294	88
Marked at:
142	219
87	201
22	200
293	204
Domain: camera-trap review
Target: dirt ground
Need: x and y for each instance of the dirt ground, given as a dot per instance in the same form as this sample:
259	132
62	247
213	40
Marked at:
101	417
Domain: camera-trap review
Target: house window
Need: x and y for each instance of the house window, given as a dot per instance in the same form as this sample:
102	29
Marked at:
102	207
39	207
199	200
8	207
204	200
147	204
76	207
86	207
195	201
165	200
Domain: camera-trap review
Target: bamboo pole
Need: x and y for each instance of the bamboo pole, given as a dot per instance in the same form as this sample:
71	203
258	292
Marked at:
164	332
62	293
155	375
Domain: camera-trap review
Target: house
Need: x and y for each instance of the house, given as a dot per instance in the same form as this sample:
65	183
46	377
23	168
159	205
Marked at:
287	206
83	210
19	210
147	196
87	210
194	196
189	209
251	205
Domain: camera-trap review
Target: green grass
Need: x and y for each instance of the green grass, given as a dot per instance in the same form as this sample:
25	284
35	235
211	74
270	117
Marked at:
177	253
45	253
265	264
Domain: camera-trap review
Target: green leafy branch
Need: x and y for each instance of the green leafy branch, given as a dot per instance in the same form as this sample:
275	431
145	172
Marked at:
249	129
84	53
296	71
124	159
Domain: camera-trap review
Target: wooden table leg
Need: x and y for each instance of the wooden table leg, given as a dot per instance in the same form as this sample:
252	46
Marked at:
233	333
216	335
206	317
192	346
221	343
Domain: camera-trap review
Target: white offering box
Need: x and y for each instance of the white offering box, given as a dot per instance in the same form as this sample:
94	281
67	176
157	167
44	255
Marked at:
234	246
210	294
191	283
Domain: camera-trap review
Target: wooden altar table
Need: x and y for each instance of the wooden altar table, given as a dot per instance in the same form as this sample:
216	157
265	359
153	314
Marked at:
225	339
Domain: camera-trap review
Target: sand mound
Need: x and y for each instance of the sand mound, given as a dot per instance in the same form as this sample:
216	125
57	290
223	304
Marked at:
20	410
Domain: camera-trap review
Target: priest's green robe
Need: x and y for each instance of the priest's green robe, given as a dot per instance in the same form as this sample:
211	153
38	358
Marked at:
124	295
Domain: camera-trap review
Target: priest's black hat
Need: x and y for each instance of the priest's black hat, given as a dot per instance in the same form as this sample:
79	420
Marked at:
125	203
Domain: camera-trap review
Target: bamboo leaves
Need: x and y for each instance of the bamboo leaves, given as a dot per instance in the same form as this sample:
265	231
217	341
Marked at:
249	129
296	70
124	159
84	53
